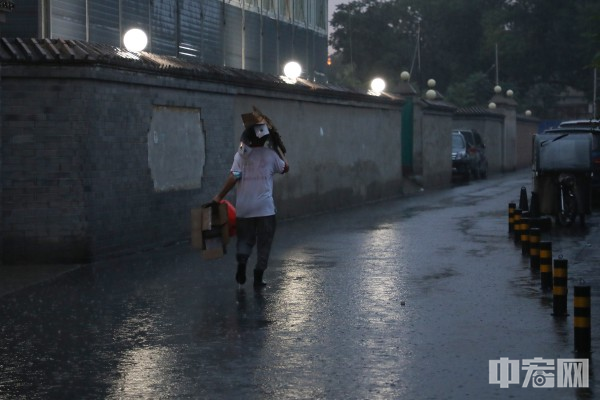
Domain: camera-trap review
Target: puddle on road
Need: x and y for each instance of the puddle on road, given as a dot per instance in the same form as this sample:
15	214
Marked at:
429	281
445	273
316	263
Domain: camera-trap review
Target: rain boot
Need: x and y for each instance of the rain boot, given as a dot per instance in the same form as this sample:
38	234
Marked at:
258	278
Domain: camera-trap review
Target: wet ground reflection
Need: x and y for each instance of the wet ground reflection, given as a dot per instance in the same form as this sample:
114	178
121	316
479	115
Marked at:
405	300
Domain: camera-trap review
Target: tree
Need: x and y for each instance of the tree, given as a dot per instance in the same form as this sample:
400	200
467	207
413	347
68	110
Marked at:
549	44
381	36
473	91
377	38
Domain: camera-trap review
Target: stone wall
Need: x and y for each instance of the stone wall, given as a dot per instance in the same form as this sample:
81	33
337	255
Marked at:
99	161
435	145
339	154
526	128
491	128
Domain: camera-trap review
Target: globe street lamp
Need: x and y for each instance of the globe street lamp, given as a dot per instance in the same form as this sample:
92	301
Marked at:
292	70
431	94
135	40
377	86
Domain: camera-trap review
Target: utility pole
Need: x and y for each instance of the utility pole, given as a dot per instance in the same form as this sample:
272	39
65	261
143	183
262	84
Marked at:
417	57
497	80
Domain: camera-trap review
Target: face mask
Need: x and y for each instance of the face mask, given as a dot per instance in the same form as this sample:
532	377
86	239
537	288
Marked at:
261	130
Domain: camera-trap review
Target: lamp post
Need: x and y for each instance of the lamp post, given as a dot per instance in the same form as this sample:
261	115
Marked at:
497	67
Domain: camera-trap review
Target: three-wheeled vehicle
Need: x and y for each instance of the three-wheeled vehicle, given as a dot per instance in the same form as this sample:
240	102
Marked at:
562	173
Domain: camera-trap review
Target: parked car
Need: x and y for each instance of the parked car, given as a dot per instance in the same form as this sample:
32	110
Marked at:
475	153
463	161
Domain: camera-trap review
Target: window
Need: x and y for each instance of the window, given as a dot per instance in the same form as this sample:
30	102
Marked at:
286	9
299	14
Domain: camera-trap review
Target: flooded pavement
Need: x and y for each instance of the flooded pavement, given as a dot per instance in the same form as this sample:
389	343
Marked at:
404	299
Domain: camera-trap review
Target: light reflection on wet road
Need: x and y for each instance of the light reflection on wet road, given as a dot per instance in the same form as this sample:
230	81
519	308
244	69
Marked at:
408	298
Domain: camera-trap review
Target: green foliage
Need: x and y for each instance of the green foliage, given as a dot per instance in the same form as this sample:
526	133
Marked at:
344	74
374	36
543	46
541	97
473	91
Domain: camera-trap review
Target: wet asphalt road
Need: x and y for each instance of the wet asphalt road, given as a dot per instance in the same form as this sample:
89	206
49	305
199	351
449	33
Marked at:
404	299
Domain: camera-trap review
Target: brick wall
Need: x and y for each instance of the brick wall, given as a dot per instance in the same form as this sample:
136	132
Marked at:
436	145
526	128
491	127
77	180
44	128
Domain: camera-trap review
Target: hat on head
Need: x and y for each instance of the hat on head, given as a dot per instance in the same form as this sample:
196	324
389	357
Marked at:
251	119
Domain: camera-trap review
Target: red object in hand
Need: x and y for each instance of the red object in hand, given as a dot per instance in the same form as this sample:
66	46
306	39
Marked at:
231	217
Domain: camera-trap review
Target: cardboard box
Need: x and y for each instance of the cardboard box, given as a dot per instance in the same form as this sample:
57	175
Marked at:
213	215
210	230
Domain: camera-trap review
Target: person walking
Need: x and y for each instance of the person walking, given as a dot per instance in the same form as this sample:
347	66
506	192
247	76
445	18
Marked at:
252	171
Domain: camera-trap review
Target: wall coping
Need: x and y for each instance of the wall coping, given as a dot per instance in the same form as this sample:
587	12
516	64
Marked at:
84	60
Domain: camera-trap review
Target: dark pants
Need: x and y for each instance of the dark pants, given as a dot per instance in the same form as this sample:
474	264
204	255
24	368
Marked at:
257	231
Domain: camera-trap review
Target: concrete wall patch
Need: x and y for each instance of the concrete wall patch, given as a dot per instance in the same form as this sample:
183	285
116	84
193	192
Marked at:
176	148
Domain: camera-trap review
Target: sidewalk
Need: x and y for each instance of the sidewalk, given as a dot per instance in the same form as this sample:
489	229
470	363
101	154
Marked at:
18	277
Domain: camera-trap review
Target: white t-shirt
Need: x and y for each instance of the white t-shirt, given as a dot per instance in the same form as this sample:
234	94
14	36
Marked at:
254	195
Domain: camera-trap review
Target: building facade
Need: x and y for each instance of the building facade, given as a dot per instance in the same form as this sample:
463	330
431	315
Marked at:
256	35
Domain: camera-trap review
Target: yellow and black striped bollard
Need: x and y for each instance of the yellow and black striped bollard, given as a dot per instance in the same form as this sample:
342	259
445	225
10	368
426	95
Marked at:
546	265
524	236
582	319
517	226
559	291
511	218
534	248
